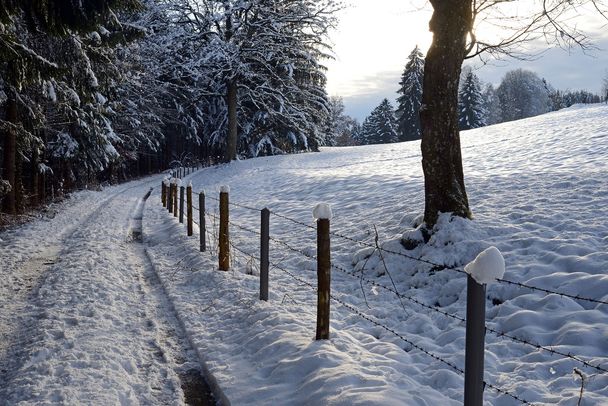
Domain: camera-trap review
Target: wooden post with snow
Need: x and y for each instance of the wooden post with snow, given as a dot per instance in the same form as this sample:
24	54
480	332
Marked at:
181	204
201	220
322	213
486	268
224	243
175	197
170	198
189	208
264	253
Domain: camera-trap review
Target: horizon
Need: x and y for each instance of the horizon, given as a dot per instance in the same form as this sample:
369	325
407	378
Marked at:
366	70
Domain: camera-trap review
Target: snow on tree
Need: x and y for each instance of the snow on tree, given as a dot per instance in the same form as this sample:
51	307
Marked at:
342	128
491	104
522	94
380	126
471	110
265	61
410	99
49	79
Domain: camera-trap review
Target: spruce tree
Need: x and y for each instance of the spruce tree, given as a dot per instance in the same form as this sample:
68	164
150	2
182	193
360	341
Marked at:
380	126
471	109
410	99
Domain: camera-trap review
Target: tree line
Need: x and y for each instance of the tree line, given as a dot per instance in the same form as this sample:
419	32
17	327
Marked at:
520	94
105	90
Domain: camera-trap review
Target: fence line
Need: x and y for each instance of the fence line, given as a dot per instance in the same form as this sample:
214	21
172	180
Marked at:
356	311
395	291
436	266
498	333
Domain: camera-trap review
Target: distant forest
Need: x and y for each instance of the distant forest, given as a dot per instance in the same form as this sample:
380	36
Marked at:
521	94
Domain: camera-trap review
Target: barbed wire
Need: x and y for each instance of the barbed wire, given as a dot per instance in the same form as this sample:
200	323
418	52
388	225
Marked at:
246	229
424	305
437	267
368	318
450	315
274	213
401	336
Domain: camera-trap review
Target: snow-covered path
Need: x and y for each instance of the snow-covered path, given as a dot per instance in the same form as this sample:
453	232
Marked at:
84	319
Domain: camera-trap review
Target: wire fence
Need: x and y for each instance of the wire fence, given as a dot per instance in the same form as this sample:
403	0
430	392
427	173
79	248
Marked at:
394	290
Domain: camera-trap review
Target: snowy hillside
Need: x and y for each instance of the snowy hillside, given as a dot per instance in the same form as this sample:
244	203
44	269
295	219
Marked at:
96	310
539	193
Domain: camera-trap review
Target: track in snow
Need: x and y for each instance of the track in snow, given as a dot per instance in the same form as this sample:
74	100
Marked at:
88	322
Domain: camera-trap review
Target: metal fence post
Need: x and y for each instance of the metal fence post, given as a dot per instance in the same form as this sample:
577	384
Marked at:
475	343
201	218
264	253
324	278
224	243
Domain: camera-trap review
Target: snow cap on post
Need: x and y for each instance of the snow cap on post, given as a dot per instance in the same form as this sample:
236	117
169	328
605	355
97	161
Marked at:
166	181
190	184
178	181
174	181
322	211
487	267
224	189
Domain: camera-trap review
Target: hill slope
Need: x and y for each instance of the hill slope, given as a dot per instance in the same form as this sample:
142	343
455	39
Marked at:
539	192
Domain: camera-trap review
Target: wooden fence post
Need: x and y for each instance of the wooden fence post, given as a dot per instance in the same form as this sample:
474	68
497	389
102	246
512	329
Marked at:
322	213
175	199
264	253
189	210
201	218
224	254
170	197
181	204
163	193
475	343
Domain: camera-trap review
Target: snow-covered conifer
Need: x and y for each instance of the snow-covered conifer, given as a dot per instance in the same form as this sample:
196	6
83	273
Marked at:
471	110
410	99
380	126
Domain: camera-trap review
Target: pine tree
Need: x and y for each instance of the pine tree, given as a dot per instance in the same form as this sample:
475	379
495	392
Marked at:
380	126
472	113
408	104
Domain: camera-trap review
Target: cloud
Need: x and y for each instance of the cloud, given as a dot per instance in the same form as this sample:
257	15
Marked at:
363	94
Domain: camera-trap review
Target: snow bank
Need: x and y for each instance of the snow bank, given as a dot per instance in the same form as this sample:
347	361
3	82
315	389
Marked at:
487	267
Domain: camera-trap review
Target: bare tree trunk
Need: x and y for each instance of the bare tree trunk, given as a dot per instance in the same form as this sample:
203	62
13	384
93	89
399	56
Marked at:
441	156
9	158
231	101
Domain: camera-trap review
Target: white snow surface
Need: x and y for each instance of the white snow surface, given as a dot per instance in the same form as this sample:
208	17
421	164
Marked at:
487	267
322	211
224	189
539	193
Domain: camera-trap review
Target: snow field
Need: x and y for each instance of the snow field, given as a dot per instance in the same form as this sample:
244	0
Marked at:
539	194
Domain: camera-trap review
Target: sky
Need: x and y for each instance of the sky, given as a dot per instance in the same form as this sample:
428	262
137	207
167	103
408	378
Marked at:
374	38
